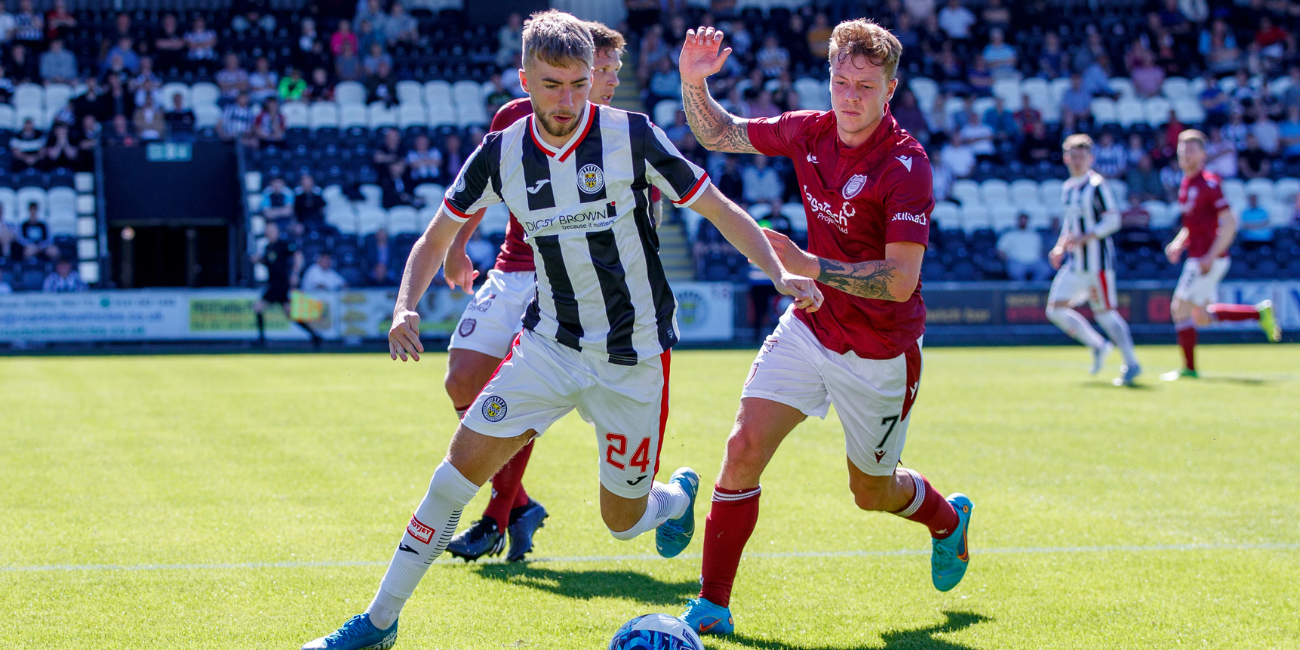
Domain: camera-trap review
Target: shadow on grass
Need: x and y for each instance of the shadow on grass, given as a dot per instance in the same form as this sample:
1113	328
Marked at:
918	639
594	583
1110	386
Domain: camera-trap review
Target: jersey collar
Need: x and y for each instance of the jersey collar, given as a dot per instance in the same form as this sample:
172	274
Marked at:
563	153
884	131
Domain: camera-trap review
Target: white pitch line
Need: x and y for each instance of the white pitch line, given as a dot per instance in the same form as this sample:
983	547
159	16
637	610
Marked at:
1032	550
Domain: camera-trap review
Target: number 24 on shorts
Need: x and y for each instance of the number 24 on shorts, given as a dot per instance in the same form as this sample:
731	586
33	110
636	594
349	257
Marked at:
618	447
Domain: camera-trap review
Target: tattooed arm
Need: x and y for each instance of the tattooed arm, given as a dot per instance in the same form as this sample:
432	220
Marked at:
714	127
893	278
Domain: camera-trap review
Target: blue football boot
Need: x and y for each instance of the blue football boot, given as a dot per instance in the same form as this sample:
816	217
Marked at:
524	521
481	538
357	634
673	536
950	556
1127	375
706	618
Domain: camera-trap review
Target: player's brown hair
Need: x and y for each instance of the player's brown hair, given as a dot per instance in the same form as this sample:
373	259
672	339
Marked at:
1077	140
1192	135
604	38
864	38
557	38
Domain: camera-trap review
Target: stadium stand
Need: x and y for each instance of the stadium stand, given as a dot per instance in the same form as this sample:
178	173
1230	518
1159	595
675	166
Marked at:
1102	68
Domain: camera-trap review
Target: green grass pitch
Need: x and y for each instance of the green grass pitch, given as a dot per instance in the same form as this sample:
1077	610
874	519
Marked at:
253	501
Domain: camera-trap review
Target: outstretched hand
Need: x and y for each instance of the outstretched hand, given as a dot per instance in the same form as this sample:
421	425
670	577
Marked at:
700	57
404	336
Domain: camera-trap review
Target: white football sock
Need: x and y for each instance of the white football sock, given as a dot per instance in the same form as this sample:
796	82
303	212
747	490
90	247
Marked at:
1073	323
426	537
1117	329
667	501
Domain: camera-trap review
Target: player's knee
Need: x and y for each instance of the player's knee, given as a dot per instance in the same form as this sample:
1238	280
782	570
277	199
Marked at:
744	453
621	525
870	496
461	385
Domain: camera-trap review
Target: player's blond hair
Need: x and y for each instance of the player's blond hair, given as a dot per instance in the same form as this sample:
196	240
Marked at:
1077	140
558	39
603	38
1192	135
864	38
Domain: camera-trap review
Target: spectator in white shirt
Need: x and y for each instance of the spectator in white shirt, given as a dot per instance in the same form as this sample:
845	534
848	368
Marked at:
321	276
956	20
7	24
762	183
978	135
1022	251
1266	131
958	157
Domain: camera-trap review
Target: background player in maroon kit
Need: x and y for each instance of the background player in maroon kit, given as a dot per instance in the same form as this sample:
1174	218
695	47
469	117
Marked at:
490	324
868	193
1207	232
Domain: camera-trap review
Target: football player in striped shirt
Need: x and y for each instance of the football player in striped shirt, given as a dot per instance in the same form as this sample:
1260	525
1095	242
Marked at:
598	332
1086	259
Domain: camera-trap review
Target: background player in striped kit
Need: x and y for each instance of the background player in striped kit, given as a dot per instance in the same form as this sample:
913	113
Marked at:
596	336
1086	259
1207	232
493	319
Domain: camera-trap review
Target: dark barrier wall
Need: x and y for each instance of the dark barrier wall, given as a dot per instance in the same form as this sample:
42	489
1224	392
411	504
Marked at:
172	184
1002	303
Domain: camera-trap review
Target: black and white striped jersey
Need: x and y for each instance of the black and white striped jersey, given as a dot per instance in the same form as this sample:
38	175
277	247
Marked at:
1090	209
585	209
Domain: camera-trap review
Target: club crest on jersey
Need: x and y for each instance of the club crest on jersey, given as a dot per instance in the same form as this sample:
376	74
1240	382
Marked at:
494	409
590	179
460	184
855	185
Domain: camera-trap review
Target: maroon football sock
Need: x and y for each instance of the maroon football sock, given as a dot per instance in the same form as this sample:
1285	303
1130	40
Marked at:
727	528
505	485
1187	341
521	498
929	508
1226	312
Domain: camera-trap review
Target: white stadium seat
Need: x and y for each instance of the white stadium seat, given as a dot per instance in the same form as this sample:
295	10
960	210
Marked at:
8	118
1003	217
58	95
373	195
1122	86
324	114
1024	193
349	92
797	216
34	113
1188	110
1120	189
1175	88
424	216
412	114
403	219
410	92
28	95
1157	110
975	217
296	115
926	90
371	219
1049	192
1104	111
27	195
1161	215
8	204
437	93
1234	190
351	115
1129	111
342	216
814	94
430	192
1261	187
174	88
442	115
1285	190
204	94
471	114
206	115
381	115
966	191
995	191
665	112
946	215
467	93
495	219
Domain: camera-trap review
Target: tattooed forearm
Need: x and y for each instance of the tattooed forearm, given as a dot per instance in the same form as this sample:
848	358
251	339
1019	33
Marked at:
865	279
714	127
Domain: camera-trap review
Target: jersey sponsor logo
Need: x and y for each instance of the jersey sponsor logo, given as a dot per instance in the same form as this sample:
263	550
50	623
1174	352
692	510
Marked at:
855	185
494	409
908	216
594	218
907	162
418	530
537	187
590	179
822	210
467	327
812	159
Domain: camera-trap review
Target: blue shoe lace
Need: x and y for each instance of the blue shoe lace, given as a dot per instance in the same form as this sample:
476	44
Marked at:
354	629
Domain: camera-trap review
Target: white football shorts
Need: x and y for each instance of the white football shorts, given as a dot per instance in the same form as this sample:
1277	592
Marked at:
540	381
495	315
1074	287
872	397
1198	288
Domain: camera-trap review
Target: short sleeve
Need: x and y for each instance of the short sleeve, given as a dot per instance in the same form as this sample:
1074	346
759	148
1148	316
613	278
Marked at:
681	180
478	184
773	136
907	192
1214	195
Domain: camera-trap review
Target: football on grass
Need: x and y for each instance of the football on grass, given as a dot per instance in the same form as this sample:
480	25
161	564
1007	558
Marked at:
655	632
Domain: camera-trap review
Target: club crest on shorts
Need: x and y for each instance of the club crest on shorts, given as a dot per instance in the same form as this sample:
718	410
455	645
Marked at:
467	327
494	409
591	179
855	185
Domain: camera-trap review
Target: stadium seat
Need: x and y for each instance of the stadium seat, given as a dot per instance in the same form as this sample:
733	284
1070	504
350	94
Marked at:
814	94
86	226
342	217
206	115
760	211
370	219
495	219
468	115
171	89
34	113
253	181
966	192
946	215
1039	218
1234	190
1285	190
373	195
467	93
1122	87
1049	193
1003	217
353	116
1008	90
691	221
1157	110
8	205
437	93
1188	110
84	181
58	95
1161	216
994	191
349	92
1175	88
1129	111
1120	189
1279	214
926	90
665	112
442	115
797	216
204	94
28	95
974	217
381	116
334	196
8	118
984	104
410	92
411	115
1261	187
86	204
324	114
1104	111
27	195
1037	91
431	193
424	216
1024	193
403	219
296	115
87	249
